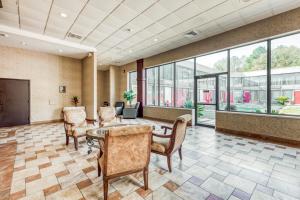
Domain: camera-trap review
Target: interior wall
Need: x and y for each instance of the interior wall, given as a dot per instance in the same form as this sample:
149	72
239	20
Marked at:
89	85
280	127
46	73
102	87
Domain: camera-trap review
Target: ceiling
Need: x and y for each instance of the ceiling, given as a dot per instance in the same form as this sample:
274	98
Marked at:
122	31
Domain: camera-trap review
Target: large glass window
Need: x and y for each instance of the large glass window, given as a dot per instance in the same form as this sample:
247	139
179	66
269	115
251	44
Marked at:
133	83
152	86
166	73
212	63
184	84
248	78
285	75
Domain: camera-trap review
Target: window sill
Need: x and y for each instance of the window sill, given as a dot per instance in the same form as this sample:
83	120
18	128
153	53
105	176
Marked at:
162	107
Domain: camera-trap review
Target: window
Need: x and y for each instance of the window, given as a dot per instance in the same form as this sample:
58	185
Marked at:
184	84
166	80
285	75
152	86
133	83
248	78
212	63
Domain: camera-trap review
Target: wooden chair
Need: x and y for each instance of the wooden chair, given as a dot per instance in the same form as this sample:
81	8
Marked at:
124	150
76	124
168	144
108	116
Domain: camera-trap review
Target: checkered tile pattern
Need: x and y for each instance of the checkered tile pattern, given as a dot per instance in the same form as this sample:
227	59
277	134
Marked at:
214	166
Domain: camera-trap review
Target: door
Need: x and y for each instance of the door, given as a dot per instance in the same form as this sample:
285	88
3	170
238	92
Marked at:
14	102
206	100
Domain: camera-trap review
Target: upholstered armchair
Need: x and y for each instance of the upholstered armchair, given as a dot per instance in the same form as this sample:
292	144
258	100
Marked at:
107	116
124	150
76	124
167	144
131	113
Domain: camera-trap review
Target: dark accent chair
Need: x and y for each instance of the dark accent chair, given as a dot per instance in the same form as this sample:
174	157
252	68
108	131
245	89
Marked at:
119	107
165	144
131	113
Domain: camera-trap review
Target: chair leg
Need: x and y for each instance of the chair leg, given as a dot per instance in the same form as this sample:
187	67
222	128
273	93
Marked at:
99	168
76	143
105	188
180	153
145	172
67	139
169	162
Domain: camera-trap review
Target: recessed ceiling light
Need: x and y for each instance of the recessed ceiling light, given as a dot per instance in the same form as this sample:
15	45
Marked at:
155	40
245	1
23	43
60	50
3	35
130	51
128	30
64	15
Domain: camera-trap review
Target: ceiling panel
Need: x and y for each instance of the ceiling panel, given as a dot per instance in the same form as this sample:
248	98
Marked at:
9	13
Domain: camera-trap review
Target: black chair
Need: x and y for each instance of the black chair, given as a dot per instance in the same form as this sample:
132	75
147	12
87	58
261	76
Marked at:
119	107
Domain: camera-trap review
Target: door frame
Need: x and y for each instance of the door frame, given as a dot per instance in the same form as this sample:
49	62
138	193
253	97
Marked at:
29	96
205	76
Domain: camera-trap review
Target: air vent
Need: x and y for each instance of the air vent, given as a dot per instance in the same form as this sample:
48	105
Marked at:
72	35
191	34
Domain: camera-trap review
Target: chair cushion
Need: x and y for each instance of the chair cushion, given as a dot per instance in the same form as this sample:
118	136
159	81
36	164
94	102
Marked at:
76	116
160	144
81	130
107	114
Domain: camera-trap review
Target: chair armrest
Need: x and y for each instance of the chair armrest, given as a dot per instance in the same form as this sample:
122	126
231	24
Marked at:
68	123
166	128
161	136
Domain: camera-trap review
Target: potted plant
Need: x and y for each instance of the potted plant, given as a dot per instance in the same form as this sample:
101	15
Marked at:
129	96
75	100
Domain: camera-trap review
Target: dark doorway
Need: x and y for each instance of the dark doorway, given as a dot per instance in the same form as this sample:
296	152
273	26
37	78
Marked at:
14	102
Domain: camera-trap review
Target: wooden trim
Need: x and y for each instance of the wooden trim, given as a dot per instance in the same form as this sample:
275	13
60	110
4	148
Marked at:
260	137
46	121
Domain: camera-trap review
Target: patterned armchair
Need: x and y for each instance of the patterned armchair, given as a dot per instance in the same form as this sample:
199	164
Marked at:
107	116
124	150
168	144
76	124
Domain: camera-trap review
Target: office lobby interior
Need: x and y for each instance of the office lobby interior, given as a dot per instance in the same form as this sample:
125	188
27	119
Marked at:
149	99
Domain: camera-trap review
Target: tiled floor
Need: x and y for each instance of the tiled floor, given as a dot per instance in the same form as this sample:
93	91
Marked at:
214	166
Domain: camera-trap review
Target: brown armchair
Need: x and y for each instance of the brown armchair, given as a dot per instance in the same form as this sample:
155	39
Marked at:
107	116
168	144
76	124
124	150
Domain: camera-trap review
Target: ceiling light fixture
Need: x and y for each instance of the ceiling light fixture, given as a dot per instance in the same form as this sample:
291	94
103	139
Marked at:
23	43
63	15
60	50
128	30
130	51
155	40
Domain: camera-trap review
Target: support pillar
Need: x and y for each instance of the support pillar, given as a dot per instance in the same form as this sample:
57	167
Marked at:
140	85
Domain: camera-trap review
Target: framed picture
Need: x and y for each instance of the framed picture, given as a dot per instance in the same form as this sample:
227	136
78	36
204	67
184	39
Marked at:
62	89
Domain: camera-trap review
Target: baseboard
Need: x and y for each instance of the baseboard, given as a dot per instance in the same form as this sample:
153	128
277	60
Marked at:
159	120
46	121
259	137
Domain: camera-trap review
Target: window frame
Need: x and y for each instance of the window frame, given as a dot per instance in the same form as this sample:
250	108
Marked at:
268	70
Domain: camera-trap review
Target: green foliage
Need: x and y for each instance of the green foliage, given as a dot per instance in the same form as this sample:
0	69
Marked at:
129	96
75	100
200	110
282	56
188	104
275	112
282	100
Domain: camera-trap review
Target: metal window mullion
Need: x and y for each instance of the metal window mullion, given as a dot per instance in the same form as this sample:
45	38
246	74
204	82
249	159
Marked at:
217	92
228	80
174	84
158	87
269	63
146	86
